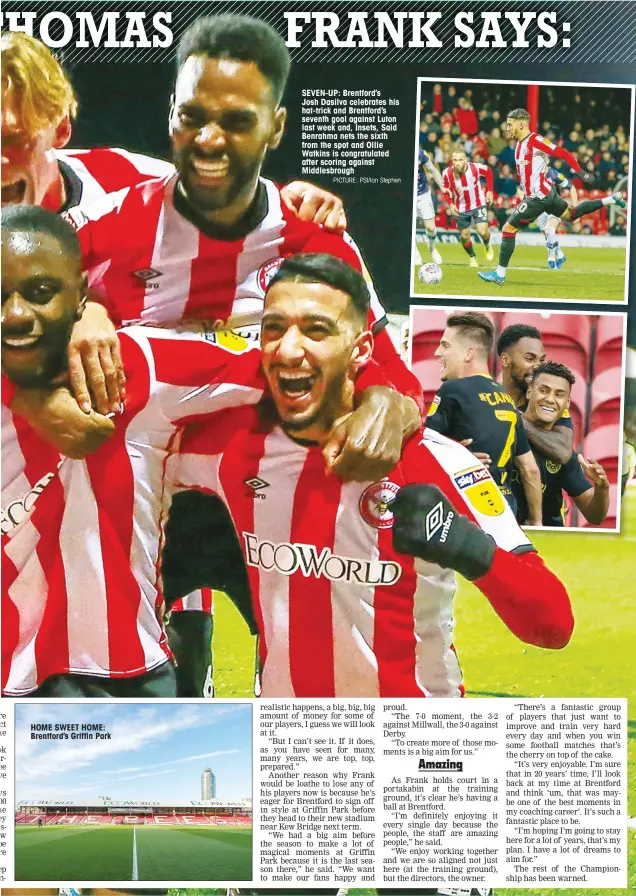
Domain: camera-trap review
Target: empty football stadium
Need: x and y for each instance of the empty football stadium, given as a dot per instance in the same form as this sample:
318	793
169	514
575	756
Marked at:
205	840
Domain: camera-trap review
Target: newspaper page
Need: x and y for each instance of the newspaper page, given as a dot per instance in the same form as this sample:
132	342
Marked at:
318	448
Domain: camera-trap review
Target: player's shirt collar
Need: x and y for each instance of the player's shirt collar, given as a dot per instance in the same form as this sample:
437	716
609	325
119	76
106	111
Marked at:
73	187
250	221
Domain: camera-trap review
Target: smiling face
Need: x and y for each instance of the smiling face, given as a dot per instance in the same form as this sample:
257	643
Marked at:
29	166
454	353
42	289
548	397
312	346
522	359
223	121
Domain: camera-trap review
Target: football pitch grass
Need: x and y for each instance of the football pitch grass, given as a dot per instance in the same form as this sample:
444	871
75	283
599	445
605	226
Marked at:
587	275
106	853
598	571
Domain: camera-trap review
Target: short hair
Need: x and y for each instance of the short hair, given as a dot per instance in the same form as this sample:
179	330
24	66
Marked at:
459	151
474	326
553	368
519	115
39	83
35	219
320	267
242	38
512	334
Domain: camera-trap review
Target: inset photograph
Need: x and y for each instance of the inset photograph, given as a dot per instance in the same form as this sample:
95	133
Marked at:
537	396
521	191
135	792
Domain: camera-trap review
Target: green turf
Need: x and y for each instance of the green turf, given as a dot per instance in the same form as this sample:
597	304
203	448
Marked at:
587	275
105	852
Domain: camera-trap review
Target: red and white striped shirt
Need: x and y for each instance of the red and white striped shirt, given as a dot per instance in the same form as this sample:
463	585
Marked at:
532	161
156	265
91	174
81	537
466	190
340	613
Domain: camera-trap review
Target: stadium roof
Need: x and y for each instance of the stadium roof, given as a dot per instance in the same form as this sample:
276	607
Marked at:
141	804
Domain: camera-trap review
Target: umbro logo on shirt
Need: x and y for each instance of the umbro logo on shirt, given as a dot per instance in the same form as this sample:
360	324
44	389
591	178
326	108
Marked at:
146	274
256	484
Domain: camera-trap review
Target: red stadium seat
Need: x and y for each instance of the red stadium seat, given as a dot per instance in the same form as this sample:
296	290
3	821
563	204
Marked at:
610	331
427	373
428	326
566	337
605	404
578	404
610	520
602	445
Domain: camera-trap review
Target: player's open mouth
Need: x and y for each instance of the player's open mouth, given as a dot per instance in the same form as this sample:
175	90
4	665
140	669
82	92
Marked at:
295	385
546	409
211	169
20	342
13	193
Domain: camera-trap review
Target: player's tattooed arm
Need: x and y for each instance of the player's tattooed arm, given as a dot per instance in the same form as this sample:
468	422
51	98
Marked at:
556	444
55	416
594	503
95	367
367	444
311	203
531	482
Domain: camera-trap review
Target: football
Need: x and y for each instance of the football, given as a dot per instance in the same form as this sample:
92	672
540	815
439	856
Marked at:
430	273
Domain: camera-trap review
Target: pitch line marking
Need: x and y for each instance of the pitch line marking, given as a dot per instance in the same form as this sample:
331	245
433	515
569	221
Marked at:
135	867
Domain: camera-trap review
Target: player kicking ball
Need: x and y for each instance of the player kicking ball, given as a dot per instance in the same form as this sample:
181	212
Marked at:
468	200
539	194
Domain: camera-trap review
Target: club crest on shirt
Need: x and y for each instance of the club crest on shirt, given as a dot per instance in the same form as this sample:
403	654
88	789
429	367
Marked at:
480	491
552	467
267	271
375	504
434	406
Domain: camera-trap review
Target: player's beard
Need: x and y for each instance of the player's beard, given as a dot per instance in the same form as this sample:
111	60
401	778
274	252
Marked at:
326	413
241	177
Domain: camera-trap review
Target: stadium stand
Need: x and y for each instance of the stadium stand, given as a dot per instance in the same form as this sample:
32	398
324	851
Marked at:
471	116
209	812
591	345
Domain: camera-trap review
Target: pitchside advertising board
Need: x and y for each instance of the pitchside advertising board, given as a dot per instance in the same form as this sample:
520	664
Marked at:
372	86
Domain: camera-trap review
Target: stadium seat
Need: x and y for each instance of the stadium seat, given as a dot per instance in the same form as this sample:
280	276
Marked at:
603	445
566	337
578	406
609	342
428	326
605	403
610	520
427	373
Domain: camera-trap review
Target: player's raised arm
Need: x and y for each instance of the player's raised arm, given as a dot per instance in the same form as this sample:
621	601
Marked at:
460	520
593	502
558	152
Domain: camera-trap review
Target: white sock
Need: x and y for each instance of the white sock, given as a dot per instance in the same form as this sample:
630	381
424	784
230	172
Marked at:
501	271
431	237
608	200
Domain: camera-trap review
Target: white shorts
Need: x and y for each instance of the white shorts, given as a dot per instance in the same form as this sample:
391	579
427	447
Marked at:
542	220
424	206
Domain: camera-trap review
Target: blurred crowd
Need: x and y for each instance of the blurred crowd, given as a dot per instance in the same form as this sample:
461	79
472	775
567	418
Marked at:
474	118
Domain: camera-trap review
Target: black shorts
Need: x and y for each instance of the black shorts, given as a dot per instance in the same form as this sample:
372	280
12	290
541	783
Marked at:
161	682
529	209
468	219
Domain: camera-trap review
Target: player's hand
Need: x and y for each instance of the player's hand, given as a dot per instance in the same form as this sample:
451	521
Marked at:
489	198
94	362
426	525
594	472
56	418
366	445
311	203
452	210
587	177
481	456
